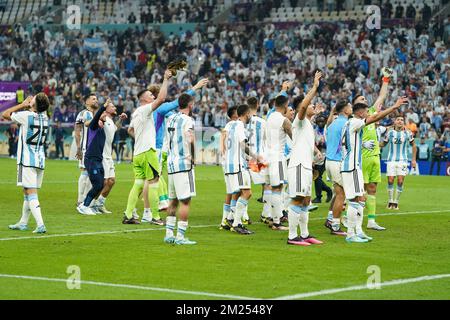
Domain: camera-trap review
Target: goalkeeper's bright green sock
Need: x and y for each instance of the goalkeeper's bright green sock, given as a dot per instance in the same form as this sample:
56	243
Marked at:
153	198
133	197
162	195
371	206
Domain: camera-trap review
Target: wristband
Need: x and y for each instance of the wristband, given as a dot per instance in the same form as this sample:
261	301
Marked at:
386	79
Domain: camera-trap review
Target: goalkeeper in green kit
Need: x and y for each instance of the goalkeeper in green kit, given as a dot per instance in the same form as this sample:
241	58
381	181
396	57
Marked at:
371	165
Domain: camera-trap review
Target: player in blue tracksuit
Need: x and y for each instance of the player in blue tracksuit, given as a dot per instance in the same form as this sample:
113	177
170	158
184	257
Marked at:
93	159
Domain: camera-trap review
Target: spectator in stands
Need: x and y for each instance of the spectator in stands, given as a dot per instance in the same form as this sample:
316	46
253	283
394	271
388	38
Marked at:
58	134
399	11
437	155
423	150
424	127
12	133
426	13
410	12
330	5
387	10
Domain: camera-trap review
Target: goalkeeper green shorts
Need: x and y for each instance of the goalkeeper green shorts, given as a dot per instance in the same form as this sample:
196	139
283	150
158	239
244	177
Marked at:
146	165
371	168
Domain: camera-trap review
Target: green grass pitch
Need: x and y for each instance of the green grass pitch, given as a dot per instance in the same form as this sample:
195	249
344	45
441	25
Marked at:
137	265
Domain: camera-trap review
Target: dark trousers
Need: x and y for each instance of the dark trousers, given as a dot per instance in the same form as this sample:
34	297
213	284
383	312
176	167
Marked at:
319	184
435	159
96	176
12	148
59	148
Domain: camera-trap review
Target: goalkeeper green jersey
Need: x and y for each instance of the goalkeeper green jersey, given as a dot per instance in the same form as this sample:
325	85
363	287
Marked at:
370	133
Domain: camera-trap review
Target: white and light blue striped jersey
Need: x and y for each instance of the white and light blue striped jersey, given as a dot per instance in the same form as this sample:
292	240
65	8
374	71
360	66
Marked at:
82	117
398	143
235	159
256	135
275	137
32	137
179	136
352	144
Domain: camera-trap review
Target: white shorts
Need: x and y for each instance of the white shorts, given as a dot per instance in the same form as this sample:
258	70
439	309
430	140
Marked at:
334	171
108	167
30	178
258	177
300	181
397	168
277	173
353	184
239	181
182	185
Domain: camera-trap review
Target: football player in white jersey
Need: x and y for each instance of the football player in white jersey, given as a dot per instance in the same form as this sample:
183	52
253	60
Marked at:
230	199
256	131
33	122
351	166
236	166
110	129
179	143
81	128
398	141
300	171
278	127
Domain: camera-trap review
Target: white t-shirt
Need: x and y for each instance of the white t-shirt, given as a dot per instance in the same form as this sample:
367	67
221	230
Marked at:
275	137
144	129
110	129
303	143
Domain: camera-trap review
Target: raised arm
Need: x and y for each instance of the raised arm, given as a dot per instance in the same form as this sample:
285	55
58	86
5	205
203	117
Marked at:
8	112
301	112
163	91
93	125
387	73
377	117
331	116
287	127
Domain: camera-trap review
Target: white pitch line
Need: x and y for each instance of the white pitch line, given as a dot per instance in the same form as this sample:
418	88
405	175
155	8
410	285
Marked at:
397	213
199	226
127	286
361	287
95	233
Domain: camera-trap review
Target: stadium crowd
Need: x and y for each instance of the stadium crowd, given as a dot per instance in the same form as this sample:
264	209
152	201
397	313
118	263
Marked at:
240	61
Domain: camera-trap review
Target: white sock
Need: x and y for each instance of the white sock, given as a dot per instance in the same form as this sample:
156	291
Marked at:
226	211
336	224
147	215
391	192
330	216
277	207
170	225
303	221
233	205
360	218
267	208
82	185
286	199
293	213
240	210
35	209
245	215
25	211
101	200
182	227
87	186
352	213
398	193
